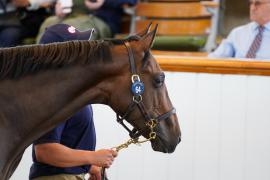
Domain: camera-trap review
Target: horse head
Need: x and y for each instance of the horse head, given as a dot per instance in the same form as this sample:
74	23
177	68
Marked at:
140	95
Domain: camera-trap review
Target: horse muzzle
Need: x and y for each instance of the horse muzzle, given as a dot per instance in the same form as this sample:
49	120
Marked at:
161	146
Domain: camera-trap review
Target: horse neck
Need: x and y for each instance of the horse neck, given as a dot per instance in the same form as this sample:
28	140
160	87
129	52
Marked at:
51	96
37	103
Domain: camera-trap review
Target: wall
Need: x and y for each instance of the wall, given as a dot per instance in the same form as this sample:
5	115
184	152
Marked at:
225	122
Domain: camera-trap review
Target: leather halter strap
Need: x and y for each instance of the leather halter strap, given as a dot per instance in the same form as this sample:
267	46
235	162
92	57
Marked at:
135	133
131	58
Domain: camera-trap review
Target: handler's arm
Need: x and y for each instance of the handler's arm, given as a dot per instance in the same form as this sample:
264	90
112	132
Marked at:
58	155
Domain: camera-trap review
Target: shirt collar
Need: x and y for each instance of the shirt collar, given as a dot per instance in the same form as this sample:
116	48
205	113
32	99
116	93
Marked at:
267	26
254	26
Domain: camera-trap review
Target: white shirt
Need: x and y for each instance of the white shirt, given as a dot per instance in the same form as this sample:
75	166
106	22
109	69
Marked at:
35	4
239	41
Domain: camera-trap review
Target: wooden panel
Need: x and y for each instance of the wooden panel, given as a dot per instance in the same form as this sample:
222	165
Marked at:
257	104
210	4
171	10
206	157
179	53
217	66
177	27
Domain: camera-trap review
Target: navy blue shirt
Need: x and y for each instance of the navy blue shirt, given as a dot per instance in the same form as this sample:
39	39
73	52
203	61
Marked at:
111	12
78	132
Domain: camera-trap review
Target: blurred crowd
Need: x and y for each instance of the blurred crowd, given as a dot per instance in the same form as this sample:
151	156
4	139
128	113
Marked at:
21	19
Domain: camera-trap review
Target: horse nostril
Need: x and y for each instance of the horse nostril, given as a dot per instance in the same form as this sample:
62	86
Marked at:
179	139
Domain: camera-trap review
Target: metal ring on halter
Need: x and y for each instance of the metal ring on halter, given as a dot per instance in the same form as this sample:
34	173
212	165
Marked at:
137	100
134	77
152	123
152	135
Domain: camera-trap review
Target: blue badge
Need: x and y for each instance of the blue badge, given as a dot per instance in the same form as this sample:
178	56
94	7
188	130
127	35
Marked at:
137	88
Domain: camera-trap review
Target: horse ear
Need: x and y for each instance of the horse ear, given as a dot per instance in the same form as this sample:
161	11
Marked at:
145	31
148	39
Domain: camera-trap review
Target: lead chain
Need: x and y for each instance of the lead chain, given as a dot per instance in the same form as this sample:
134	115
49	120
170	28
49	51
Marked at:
152	135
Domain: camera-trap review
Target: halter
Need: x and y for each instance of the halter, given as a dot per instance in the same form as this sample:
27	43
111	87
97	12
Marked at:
137	89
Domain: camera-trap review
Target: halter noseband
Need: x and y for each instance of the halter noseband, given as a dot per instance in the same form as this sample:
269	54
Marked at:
137	89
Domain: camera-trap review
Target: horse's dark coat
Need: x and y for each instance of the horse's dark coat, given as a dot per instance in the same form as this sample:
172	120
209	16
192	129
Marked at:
42	85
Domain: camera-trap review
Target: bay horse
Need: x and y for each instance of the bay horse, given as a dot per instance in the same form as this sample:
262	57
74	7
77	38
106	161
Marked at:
43	85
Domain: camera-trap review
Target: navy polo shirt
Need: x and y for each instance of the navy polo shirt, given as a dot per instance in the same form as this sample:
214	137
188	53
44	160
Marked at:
78	132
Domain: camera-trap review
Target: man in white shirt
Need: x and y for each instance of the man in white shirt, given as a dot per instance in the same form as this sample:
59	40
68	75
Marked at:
251	40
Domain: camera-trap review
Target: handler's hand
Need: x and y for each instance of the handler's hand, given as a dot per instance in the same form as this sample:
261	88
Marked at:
104	157
95	173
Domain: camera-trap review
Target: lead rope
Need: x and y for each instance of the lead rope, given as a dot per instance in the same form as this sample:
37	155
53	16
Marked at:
152	135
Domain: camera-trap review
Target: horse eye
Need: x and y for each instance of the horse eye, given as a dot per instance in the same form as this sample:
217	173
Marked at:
159	80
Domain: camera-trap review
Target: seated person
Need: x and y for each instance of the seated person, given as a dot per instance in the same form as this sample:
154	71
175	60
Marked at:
251	40
103	15
20	19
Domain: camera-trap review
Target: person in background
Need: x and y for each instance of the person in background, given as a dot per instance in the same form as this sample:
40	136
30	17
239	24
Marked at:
103	15
68	151
251	40
20	19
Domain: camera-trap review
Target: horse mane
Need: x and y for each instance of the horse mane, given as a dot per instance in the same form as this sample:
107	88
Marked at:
22	60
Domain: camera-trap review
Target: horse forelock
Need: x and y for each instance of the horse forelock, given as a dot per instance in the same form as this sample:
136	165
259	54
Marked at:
18	61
